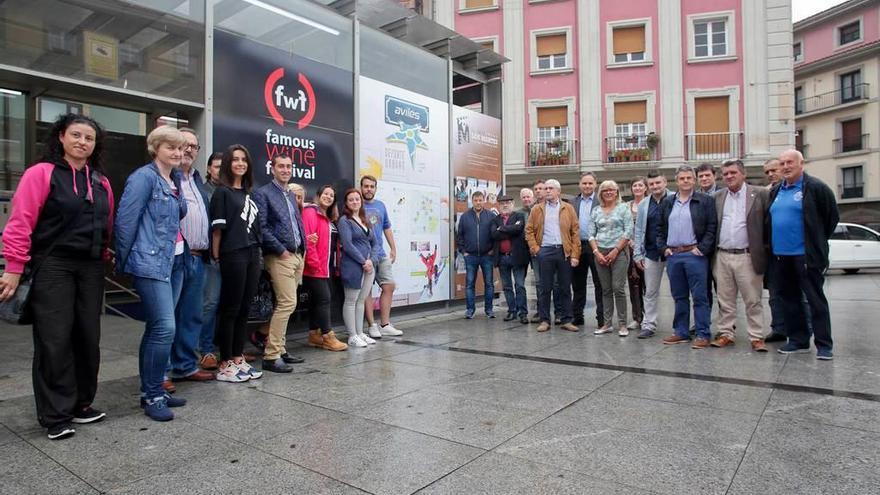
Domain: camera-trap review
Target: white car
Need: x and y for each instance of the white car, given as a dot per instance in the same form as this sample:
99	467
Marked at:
853	247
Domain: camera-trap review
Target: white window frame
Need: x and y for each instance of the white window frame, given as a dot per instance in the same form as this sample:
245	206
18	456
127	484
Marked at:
464	9
799	59
729	17
861	38
533	50
650	99
486	39
571	105
733	94
649	43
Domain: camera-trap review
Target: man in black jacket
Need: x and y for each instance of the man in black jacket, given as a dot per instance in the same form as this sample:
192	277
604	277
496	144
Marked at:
803	215
688	225
512	258
474	240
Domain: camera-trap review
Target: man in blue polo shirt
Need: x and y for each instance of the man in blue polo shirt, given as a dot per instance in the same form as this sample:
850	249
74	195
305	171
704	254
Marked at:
803	215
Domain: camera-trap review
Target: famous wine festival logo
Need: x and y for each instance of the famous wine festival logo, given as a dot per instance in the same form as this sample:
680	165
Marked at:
291	102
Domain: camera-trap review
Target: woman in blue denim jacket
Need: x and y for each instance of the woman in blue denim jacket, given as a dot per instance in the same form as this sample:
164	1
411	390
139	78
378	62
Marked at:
149	246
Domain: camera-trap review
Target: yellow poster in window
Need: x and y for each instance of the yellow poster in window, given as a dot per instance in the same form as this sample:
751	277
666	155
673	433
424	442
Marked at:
101	54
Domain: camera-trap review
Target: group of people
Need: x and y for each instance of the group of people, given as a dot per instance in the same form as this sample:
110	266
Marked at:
732	241
195	250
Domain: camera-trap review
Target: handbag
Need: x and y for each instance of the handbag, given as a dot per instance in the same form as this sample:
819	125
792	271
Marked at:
17	309
263	304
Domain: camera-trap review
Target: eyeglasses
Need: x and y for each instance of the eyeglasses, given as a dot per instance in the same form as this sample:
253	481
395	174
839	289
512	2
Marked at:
194	147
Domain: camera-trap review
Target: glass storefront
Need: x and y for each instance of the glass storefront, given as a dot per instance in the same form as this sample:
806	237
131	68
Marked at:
12	136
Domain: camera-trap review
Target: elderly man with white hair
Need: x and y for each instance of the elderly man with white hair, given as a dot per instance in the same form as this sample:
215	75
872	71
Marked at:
803	214
552	235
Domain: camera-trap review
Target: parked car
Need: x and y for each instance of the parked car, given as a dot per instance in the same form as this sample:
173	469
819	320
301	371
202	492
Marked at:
853	247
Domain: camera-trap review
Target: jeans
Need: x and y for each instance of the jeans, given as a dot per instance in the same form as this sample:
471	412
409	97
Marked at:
188	317
353	308
486	265
586	267
555	268
210	302
513	279
800	319
66	298
240	270
612	279
158	298
653	277
688	273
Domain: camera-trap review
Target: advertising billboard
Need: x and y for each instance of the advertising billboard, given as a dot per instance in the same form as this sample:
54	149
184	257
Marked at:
273	102
476	159
404	143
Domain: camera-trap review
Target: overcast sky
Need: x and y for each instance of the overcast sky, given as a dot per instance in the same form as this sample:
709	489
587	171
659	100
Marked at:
805	8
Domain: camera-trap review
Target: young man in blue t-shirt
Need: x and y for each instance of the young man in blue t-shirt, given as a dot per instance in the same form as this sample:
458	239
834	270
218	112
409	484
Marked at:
377	215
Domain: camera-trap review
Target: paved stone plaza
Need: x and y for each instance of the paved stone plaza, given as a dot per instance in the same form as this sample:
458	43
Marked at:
466	407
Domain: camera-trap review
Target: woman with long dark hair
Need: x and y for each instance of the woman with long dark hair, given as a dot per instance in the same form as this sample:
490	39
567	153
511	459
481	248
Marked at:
236	244
357	266
60	226
317	223
150	247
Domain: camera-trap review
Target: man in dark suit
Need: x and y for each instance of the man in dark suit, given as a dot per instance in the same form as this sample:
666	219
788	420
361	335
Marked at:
687	239
740	259
512	258
584	203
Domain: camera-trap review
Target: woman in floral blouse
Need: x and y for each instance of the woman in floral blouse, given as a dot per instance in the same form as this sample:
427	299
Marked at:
610	229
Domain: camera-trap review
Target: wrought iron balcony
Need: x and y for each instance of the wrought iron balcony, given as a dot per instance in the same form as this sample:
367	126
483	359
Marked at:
848	145
714	145
851	191
634	148
846	94
552	153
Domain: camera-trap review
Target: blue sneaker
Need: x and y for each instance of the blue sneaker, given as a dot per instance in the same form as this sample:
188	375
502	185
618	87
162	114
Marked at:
157	410
469	315
792	348
645	334
824	354
169	401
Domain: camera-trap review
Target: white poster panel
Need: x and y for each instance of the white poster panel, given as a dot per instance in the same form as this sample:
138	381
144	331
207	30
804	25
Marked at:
404	143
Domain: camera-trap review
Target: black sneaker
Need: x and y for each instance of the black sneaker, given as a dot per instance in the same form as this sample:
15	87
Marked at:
276	366
88	415
60	431
509	317
292	359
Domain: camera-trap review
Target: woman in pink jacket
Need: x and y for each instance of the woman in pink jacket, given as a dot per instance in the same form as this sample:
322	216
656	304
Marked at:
61	223
317	223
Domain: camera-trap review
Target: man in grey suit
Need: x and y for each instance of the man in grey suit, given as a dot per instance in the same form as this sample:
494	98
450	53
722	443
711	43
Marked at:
584	203
741	257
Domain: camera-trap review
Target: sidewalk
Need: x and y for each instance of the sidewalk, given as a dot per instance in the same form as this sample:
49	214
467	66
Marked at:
478	406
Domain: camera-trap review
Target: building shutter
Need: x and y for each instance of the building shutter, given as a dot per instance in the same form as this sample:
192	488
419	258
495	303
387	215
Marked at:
629	39
551	45
628	112
552	117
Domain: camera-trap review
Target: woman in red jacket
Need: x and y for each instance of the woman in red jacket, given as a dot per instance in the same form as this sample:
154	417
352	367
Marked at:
317	219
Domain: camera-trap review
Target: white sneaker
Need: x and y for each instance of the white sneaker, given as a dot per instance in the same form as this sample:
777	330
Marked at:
602	331
374	331
623	332
250	370
231	373
356	341
634	325
366	338
389	331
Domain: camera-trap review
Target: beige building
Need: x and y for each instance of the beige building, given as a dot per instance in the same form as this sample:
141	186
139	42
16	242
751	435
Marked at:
837	110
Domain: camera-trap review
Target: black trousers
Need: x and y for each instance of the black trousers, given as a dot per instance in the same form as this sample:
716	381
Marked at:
319	303
239	276
799	281
554	267
636	279
66	298
586	266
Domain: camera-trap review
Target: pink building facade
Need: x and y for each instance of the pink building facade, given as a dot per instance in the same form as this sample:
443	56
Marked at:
619	88
837	110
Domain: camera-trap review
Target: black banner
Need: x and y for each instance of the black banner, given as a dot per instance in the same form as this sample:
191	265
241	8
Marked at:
275	102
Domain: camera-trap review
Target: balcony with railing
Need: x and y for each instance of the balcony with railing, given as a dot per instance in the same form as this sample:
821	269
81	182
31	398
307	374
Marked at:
552	153
831	99
849	145
714	145
633	148
850	191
